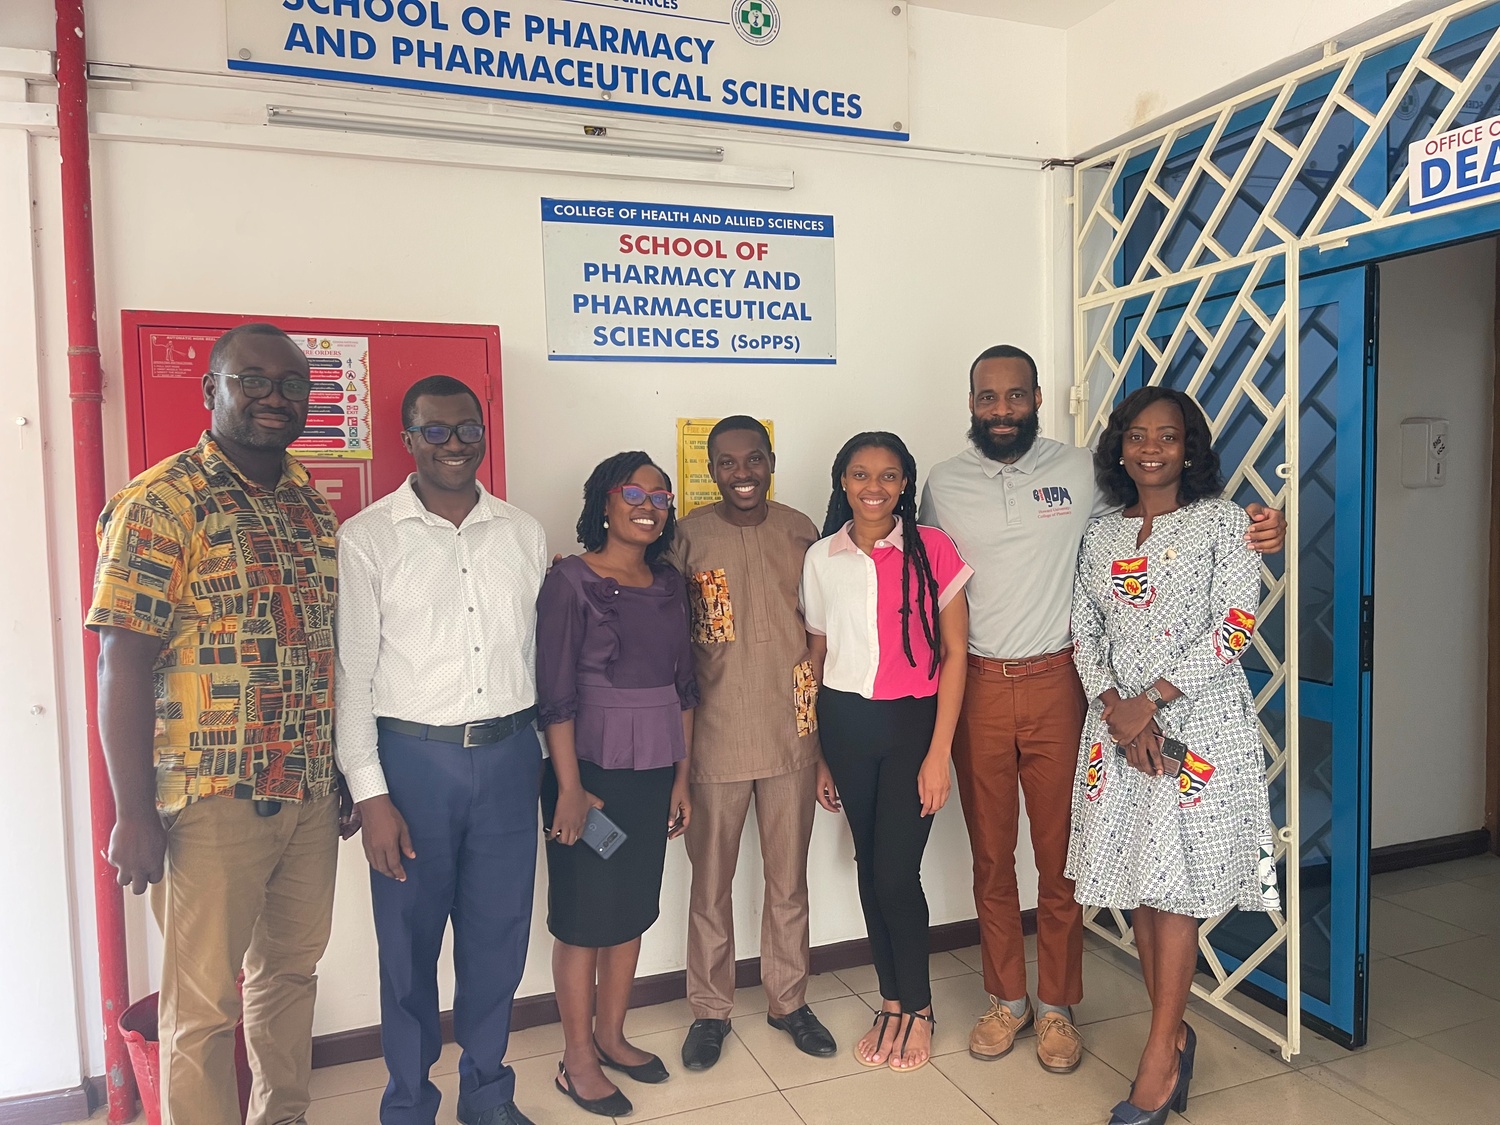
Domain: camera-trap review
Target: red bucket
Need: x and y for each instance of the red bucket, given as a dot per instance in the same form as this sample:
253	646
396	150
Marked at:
138	1028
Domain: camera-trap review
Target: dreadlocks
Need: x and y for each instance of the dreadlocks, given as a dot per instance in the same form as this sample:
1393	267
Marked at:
914	550
610	473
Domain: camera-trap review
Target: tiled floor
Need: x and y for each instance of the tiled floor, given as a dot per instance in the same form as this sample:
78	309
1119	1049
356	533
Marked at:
1433	1056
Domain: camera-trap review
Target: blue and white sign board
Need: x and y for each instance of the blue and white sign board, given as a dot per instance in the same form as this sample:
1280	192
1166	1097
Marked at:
671	283
1455	166
821	66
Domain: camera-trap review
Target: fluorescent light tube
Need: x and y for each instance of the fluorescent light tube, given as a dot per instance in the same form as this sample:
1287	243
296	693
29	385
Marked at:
438	131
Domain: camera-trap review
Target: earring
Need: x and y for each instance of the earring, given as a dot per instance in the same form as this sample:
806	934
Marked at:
1187	464
606	525
1122	460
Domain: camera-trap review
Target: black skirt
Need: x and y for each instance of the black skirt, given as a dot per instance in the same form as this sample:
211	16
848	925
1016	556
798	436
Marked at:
597	902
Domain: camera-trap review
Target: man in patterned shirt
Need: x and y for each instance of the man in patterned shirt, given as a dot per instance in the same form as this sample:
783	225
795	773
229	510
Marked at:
214	606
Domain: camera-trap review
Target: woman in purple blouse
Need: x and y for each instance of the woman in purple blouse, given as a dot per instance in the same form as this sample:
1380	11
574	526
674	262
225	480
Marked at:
616	690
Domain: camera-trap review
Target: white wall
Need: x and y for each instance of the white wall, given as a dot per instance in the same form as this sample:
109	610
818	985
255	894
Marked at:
1138	61
939	253
1432	547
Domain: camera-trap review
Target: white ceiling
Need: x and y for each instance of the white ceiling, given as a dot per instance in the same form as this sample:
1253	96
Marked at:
1047	13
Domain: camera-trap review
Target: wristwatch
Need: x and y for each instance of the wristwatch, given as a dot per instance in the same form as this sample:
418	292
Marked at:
1155	696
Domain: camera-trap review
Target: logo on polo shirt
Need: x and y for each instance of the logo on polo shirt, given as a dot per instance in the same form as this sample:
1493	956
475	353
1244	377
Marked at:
1053	500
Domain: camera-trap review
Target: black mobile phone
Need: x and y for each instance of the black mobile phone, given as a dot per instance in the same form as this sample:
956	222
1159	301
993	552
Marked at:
1172	753
602	834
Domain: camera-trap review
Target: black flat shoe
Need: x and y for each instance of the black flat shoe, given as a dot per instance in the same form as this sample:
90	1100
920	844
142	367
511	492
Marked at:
807	1031
652	1071
614	1105
705	1039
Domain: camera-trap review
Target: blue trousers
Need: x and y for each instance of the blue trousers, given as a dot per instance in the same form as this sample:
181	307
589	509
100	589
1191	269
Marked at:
473	821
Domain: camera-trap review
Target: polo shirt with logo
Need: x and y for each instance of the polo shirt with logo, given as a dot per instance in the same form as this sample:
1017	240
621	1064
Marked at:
1019	526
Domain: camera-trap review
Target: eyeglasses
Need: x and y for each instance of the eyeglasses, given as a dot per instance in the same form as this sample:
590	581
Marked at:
634	494
468	433
294	388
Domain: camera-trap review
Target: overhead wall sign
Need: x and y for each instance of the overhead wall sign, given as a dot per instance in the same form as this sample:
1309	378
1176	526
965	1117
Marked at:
824	66
673	283
1455	166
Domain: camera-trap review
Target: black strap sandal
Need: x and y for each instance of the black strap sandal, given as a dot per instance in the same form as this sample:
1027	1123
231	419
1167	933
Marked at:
612	1105
913	1017
882	1020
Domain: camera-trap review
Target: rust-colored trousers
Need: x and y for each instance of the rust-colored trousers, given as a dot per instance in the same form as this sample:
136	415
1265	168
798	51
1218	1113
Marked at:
1019	734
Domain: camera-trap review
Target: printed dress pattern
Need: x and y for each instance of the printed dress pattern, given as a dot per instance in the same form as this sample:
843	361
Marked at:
1182	607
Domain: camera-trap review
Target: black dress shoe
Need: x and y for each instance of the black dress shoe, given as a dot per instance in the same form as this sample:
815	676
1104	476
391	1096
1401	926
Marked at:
651	1071
705	1039
612	1105
811	1037
506	1114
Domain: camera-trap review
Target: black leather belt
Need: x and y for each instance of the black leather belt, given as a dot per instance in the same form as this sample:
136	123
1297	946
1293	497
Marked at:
482	733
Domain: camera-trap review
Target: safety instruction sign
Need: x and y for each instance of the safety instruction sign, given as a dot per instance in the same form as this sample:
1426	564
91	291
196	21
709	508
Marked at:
338	408
675	283
695	483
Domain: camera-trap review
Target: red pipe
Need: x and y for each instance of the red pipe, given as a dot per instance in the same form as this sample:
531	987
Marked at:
86	390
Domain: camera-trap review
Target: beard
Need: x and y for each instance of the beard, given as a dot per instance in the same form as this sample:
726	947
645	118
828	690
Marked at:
1000	449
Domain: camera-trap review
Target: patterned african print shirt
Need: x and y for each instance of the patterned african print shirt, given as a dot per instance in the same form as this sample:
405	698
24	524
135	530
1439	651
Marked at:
239	582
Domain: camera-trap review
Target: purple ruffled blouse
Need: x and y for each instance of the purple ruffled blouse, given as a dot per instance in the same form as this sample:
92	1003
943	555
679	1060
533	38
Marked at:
618	661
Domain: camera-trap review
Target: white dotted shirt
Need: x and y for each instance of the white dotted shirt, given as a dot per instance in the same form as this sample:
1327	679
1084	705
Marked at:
435	623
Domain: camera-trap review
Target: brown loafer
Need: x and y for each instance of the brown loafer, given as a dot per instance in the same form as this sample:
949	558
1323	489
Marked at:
995	1033
1059	1047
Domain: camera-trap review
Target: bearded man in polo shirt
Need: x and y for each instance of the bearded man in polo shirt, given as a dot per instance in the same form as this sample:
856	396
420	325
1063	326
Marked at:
436	697
1017	506
754	735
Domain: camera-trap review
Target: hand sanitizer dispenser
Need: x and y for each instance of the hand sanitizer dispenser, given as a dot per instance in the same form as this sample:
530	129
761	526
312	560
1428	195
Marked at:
1424	452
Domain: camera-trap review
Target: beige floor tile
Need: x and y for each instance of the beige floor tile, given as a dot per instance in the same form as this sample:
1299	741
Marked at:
448	1059
1109	991
975	960
826	986
1424	1084
1471	867
763	1109
882	1095
358	1108
1315	1049
1223	1059
957	1002
1015	1089
333	1081
1477	1044
1474	964
1396	930
663	1017
1408	879
1286	1099
1489	883
1460	904
862	978
1416	1003
546	1039
847	1017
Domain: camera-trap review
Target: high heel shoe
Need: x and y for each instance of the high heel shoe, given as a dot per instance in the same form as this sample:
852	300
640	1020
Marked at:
1185	1059
611	1105
652	1071
1128	1113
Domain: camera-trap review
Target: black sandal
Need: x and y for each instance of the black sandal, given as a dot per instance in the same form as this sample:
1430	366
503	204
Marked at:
652	1071
882	1021
611	1105
913	1017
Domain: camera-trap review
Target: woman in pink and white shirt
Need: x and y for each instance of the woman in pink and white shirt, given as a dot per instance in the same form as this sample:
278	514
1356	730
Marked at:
888	626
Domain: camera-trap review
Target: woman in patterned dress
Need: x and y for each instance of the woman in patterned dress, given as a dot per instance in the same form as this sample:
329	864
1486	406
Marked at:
1170	816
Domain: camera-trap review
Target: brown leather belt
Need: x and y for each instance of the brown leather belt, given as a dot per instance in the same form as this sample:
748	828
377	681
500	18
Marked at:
1019	669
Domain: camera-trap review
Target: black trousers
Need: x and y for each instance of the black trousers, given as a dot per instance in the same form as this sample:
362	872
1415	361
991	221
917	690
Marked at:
874	749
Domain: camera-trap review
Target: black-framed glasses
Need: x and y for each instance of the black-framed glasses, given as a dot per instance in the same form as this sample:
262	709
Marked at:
294	388
634	494
468	433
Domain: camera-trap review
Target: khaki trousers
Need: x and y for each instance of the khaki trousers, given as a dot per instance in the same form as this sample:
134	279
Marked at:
252	893
784	808
1019	735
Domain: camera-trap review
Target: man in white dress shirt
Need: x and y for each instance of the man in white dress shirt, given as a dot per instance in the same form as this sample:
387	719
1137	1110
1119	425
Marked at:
436	697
